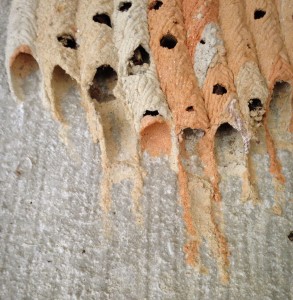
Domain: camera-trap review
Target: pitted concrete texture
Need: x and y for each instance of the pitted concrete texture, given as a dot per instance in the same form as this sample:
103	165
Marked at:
53	241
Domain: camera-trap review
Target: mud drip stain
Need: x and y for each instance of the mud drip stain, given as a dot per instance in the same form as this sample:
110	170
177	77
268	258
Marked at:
168	87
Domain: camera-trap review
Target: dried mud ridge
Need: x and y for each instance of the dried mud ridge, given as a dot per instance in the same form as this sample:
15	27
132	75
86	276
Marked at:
197	81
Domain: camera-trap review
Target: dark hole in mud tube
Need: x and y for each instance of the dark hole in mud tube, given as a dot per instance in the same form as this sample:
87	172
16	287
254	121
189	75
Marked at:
61	83
103	84
67	40
202	42
189	133
189	108
139	58
219	89
102	19
224	129
23	65
290	236
254	104
259	13
281	87
152	113
168	41
124	6
156	5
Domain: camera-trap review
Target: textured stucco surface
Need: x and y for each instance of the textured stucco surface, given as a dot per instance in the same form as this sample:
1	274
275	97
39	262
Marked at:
52	239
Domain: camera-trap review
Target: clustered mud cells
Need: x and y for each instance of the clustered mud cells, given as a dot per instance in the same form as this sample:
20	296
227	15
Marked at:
172	78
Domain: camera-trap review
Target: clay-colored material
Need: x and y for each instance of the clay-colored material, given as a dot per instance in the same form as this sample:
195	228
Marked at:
155	136
203	38
263	21
250	83
266	31
285	10
199	208
205	46
20	47
93	38
194	190
22	63
137	72
192	247
56	48
136	67
108	115
242	60
131	60
178	82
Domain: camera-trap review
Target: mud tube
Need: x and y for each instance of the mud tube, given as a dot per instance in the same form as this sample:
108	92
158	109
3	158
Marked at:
263	20
285	10
178	82
97	58
202	215
20	60
96	50
56	49
206	48
242	60
108	115
137	72
250	84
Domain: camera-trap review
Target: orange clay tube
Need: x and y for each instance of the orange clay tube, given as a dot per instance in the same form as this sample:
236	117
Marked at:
178	82
263	21
206	49
167	40
285	9
242	60
249	82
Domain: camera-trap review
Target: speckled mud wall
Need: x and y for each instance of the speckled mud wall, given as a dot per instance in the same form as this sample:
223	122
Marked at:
179	84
